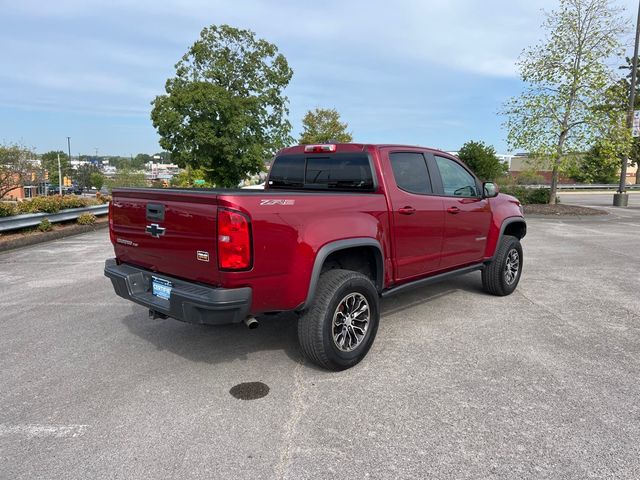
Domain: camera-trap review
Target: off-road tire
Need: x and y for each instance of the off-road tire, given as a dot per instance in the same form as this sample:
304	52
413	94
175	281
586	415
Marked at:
494	277
316	324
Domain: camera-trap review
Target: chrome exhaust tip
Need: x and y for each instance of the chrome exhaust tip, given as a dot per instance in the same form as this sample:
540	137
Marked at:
251	322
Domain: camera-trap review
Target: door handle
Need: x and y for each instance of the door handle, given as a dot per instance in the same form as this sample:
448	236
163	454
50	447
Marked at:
407	210
453	210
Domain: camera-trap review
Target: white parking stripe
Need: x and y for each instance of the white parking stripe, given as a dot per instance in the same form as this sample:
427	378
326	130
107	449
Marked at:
37	430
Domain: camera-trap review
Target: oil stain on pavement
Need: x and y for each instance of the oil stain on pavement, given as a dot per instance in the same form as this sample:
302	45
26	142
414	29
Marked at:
250	390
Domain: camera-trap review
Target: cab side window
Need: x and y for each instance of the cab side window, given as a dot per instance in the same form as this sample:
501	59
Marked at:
410	172
456	181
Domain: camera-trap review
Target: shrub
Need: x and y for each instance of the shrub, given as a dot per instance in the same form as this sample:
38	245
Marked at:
72	201
7	209
54	204
530	178
538	195
41	204
86	219
527	196
103	198
45	225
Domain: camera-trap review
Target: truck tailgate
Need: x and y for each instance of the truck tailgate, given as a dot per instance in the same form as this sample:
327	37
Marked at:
167	231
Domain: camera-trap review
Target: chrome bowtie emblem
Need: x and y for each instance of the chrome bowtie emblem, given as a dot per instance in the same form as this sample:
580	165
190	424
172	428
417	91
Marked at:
155	230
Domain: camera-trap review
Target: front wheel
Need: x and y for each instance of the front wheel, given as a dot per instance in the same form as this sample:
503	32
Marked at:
502	275
338	329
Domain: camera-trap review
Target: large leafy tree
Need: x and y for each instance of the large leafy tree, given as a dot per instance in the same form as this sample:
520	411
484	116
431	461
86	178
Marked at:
84	174
323	125
15	166
50	164
566	76
482	160
140	160
225	111
96	180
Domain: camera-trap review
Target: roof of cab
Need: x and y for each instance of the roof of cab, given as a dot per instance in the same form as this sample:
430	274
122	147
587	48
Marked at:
359	147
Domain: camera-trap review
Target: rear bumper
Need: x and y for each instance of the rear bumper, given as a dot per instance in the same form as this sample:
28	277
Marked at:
188	302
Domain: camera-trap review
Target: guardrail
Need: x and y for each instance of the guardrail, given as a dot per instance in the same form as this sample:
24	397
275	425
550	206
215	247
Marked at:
595	186
16	222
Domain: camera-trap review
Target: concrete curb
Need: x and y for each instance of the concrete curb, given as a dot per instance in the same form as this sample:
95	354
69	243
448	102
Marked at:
36	238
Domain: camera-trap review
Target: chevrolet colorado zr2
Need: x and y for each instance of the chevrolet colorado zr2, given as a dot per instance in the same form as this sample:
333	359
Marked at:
337	228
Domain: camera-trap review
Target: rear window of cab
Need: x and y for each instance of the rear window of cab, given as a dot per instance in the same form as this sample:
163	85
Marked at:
335	171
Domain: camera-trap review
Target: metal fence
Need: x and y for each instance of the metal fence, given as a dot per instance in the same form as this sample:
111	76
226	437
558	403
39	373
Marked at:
32	219
595	186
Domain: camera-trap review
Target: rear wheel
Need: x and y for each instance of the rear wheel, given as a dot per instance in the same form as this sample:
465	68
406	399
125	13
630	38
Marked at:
502	275
338	329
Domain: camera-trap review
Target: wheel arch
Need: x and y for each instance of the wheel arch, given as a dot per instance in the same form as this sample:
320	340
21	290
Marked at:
514	226
344	247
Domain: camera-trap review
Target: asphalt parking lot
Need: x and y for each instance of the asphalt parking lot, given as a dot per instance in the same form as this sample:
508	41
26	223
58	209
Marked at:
541	384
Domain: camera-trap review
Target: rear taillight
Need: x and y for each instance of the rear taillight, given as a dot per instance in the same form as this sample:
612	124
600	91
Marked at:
234	240
112	236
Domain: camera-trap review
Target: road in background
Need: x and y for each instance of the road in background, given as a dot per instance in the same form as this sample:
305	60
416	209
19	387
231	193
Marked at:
459	384
599	199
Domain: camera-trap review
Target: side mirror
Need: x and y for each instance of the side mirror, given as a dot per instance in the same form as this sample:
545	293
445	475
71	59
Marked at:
490	189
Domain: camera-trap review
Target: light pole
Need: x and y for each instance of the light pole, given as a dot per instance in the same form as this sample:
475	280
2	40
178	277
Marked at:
621	198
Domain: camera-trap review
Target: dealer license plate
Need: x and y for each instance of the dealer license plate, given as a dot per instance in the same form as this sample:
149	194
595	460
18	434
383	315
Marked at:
161	288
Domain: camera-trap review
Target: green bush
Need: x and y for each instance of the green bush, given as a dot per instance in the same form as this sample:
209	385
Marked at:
102	199
530	178
41	205
7	209
72	201
527	196
537	196
54	204
45	225
86	219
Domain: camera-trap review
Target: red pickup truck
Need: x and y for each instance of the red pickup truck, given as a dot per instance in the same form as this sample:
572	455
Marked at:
337	227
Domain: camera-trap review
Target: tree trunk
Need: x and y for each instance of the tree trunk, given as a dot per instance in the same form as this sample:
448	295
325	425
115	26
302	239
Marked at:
637	173
554	183
556	163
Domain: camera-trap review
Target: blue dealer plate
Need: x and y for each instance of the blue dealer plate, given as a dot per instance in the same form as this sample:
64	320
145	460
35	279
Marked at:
161	288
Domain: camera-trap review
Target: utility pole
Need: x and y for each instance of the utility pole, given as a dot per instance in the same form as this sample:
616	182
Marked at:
69	148
59	176
621	198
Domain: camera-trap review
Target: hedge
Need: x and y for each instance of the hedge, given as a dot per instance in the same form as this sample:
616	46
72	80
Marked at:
7	209
52	204
527	196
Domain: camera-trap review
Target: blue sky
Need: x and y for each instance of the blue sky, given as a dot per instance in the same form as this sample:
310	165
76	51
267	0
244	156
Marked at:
430	72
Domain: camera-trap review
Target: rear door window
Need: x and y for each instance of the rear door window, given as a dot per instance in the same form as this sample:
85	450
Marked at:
338	171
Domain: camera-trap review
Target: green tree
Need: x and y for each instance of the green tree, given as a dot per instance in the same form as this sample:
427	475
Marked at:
599	165
126	178
15	166
482	160
138	163
50	163
566	75
97	180
224	111
165	157
191	178
83	174
323	125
